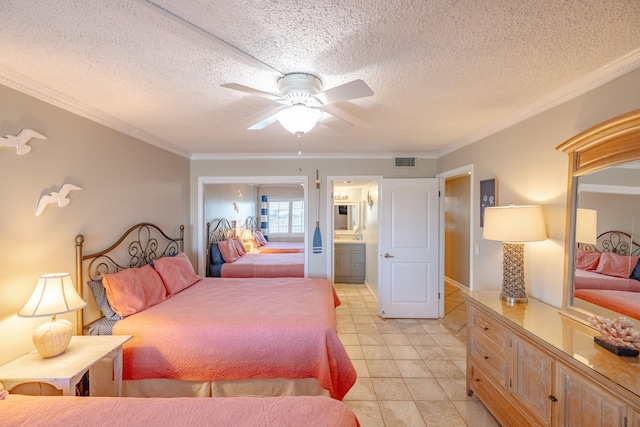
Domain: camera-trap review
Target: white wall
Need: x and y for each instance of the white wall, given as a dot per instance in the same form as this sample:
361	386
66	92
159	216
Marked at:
124	182
530	170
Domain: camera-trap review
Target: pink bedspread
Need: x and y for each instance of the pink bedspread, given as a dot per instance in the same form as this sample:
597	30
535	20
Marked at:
282	248
265	265
227	329
592	280
71	411
625	303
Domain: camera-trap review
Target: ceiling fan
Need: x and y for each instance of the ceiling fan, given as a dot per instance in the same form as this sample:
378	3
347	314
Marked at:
303	94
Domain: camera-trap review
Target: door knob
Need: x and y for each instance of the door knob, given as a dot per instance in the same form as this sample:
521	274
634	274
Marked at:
388	256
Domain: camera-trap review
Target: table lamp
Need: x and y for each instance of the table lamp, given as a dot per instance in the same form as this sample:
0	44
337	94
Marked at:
54	294
514	225
246	238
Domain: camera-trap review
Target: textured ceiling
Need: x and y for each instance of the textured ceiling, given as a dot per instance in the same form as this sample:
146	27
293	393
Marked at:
444	72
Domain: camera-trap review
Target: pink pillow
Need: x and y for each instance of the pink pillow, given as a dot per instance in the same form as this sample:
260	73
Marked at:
586	260
176	272
228	251
134	289
239	247
260	240
616	265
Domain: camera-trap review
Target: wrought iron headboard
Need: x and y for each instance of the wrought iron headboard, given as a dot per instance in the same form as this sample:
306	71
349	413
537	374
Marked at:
219	230
138	246
251	223
617	242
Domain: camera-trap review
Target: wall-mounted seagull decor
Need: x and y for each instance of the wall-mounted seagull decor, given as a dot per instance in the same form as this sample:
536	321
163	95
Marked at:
20	141
59	196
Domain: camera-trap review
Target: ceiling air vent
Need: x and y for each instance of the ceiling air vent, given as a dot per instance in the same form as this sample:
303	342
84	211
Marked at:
405	162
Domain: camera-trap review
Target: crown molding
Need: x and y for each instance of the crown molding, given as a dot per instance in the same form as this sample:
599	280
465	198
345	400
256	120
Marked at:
38	91
611	71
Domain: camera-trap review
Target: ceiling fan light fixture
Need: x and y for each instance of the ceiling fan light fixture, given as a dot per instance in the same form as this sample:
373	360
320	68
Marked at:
299	119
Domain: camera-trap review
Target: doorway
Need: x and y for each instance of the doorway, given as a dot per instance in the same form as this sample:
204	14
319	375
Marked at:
457	240
352	202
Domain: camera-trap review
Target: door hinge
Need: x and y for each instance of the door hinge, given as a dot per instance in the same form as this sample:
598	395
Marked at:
438	295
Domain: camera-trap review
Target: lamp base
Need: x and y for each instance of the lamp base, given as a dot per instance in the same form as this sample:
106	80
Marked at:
513	300
52	338
513	290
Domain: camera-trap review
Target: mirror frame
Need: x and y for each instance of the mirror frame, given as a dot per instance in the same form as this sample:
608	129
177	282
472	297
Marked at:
609	143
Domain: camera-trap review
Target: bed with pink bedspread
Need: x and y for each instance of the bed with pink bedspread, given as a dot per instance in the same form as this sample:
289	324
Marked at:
228	256
229	329
196	330
70	411
607	274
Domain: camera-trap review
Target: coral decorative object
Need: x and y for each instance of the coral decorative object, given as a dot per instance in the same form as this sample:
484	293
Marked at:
618	335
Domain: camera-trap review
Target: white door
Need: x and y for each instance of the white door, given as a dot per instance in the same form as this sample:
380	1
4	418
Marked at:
409	248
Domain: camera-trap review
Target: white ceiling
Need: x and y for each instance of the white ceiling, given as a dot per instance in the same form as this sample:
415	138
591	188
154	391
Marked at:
444	72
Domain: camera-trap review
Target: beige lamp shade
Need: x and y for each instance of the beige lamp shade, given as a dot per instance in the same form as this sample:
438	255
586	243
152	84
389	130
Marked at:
246	235
54	294
586	226
514	224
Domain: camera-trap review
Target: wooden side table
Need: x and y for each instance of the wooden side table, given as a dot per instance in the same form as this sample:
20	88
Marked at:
66	370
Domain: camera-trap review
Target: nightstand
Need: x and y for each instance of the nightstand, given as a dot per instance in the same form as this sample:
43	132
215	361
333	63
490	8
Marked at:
66	370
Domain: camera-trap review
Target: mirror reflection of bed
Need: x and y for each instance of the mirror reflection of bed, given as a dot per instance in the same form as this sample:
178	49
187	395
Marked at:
603	276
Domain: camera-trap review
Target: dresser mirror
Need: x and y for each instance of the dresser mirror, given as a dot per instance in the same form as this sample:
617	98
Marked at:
602	241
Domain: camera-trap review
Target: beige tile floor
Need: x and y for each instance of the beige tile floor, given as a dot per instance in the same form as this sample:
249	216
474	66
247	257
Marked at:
411	372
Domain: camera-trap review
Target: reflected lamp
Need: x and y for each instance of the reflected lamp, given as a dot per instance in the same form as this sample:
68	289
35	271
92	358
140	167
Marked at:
54	294
513	226
586	226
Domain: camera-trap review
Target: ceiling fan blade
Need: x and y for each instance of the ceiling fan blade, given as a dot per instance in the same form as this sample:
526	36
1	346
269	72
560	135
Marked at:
335	123
264	123
352	90
252	91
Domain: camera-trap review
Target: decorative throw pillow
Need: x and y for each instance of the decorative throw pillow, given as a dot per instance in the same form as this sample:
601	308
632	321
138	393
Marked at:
586	260
635	274
228	251
259	238
100	295
176	272
239	247
616	265
134	289
216	256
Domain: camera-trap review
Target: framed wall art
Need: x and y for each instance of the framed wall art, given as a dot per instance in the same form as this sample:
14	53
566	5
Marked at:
488	196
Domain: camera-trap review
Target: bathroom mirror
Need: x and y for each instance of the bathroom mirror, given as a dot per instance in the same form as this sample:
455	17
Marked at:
604	179
346	215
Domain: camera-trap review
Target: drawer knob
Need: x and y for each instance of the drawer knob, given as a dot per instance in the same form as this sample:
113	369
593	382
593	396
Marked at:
486	328
486	357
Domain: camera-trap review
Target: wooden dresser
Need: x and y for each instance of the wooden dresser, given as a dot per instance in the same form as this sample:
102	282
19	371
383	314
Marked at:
530	365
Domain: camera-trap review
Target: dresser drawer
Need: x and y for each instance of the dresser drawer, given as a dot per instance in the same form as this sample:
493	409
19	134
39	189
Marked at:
357	269
357	255
495	364
488	330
